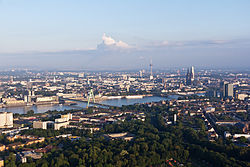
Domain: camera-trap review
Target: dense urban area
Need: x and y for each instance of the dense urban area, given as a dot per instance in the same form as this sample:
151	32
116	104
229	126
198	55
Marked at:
204	123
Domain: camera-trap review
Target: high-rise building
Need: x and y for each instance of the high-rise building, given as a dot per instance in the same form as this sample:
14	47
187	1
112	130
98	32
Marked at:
188	81
190	76
222	88
6	120
228	90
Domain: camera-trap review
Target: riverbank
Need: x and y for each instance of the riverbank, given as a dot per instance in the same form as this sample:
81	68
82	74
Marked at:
126	96
103	98
82	104
29	104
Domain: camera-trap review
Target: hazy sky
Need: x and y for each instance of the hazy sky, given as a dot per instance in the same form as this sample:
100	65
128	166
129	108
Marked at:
174	33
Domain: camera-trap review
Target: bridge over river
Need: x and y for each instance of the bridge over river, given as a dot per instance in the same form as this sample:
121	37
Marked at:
85	101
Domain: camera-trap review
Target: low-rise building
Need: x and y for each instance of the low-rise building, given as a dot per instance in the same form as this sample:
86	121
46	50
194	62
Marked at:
2	147
67	116
14	145
39	125
59	125
1	162
6	120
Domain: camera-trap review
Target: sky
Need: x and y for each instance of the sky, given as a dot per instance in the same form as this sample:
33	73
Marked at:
111	34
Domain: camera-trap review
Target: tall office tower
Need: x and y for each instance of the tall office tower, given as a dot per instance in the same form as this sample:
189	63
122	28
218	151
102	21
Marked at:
228	90
222	88
190	76
188	82
151	71
6	120
192	73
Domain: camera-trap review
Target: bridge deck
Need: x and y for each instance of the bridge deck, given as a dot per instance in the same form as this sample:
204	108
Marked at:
85	101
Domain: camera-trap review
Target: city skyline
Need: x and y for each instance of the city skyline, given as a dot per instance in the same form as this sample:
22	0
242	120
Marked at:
124	83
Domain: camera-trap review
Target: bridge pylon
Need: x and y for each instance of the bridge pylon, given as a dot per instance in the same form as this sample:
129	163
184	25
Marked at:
90	96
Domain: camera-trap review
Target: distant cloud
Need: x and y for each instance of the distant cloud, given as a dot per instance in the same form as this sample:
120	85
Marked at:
192	43
108	40
109	43
116	54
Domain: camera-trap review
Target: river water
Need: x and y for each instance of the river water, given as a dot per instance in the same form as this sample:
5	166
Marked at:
80	105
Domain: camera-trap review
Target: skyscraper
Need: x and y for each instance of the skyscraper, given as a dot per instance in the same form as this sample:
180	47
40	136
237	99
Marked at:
229	91
190	76
222	88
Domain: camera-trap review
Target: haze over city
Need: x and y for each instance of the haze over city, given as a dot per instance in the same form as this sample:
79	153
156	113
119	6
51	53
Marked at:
115	35
132	83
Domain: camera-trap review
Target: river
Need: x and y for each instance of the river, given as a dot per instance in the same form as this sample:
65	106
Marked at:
81	105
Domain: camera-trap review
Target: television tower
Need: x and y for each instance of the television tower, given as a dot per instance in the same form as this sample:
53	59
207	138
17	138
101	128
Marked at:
151	70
